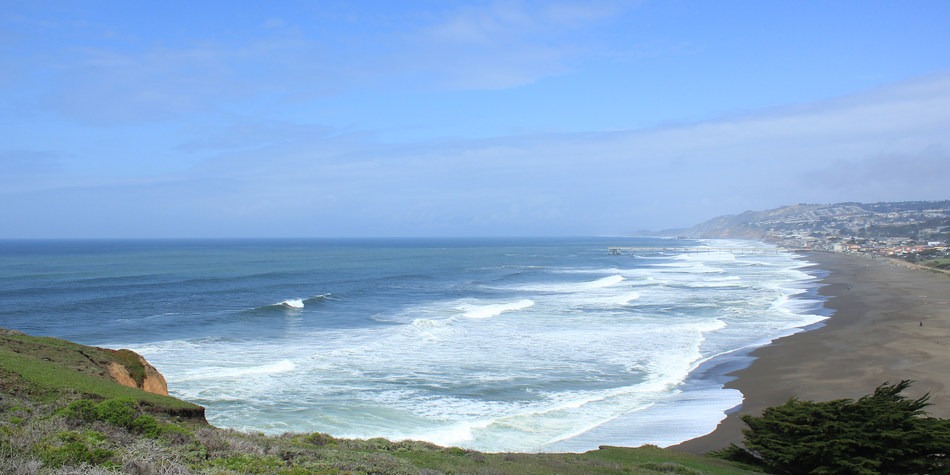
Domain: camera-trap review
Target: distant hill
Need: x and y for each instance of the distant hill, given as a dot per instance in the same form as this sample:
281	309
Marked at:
924	220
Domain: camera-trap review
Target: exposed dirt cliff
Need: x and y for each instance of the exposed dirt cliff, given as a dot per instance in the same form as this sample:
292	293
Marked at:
138	373
49	366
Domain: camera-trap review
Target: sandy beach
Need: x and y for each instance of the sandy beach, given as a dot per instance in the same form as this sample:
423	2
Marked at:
890	323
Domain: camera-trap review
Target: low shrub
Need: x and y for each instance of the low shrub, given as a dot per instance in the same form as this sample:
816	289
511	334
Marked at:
249	464
77	448
120	411
81	410
669	467
147	426
319	439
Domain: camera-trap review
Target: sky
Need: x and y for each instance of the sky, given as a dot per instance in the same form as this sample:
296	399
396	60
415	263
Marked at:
184	119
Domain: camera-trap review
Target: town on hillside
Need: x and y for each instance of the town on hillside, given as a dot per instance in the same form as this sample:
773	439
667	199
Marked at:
915	231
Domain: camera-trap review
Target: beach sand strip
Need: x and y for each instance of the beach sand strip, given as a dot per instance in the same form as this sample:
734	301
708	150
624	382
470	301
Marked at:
890	323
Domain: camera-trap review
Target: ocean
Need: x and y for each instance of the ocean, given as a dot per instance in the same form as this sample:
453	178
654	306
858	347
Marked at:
520	345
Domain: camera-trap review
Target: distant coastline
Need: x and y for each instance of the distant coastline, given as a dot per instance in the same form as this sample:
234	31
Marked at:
890	322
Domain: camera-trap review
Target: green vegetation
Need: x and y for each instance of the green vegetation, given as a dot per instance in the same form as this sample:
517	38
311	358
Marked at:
48	368
943	264
56	443
115	436
880	433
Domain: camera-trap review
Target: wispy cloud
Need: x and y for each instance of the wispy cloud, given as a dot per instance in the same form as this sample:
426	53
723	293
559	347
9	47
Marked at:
106	86
507	44
675	175
24	168
886	177
889	142
503	22
486	46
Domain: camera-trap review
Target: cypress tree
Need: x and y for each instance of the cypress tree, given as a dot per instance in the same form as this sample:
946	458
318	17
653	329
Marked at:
883	432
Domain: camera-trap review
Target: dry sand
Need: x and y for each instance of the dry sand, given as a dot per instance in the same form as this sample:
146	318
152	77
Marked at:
890	323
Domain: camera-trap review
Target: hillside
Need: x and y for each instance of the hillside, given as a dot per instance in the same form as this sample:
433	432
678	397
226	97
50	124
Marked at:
62	411
911	220
50	369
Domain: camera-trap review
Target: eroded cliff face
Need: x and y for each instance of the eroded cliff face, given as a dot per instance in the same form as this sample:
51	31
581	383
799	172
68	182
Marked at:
31	365
152	381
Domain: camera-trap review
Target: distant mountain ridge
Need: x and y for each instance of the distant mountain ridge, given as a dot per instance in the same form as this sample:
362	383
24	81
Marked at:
911	219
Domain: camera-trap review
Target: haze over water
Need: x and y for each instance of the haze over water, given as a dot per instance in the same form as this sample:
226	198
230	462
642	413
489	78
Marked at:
490	344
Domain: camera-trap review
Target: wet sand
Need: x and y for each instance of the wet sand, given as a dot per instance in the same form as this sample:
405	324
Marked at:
890	323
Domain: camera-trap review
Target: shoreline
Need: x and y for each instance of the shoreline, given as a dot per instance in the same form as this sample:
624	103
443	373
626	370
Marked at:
890	322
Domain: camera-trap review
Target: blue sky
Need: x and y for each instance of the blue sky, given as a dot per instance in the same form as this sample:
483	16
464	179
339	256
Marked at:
440	118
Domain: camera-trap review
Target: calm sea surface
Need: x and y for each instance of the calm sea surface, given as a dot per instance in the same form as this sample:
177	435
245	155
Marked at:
491	344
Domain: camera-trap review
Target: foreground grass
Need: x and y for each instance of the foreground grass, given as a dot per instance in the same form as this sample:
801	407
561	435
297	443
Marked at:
942	264
43	441
60	415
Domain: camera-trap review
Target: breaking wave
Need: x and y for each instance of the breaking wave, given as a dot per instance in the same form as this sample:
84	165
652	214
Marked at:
295	304
495	309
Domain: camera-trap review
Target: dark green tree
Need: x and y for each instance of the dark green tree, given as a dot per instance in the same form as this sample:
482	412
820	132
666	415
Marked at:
883	432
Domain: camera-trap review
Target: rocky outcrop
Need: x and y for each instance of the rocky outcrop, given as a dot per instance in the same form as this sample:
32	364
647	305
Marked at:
141	374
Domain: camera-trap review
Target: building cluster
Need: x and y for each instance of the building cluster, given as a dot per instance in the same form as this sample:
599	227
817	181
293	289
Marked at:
887	247
914	232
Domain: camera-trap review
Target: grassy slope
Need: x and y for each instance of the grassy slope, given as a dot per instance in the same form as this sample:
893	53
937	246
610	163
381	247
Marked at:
39	377
48	367
937	263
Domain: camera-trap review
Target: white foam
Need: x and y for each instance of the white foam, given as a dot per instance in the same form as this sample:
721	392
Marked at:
429	323
493	310
230	373
452	435
295	304
319	298
687	267
572	287
626	298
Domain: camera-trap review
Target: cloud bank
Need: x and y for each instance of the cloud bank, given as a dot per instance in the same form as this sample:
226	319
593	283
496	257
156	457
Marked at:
888	143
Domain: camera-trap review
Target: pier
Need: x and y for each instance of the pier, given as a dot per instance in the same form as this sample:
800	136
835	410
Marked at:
619	250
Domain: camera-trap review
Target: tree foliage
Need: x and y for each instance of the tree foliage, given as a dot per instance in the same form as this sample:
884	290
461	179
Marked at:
883	432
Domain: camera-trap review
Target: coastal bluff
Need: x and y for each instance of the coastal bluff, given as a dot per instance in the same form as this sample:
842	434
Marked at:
124	367
135	372
46	365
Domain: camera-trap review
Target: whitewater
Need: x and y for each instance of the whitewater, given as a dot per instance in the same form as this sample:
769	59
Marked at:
490	344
